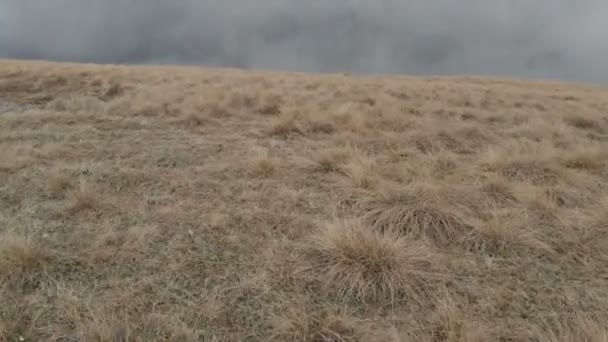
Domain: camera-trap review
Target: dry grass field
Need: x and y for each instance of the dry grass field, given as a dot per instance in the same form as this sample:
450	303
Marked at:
188	204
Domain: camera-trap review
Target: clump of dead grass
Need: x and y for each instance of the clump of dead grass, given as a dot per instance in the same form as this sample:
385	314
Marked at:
581	328
523	162
319	125
504	232
357	262
584	123
243	100
584	238
270	105
219	110
448	322
437	165
358	167
418	210
113	90
83	198
463	140
16	157
282	260
393	118
424	142
285	125
498	189
360	170
79	104
331	159
592	158
262	165
194	120
539	201
298	325
153	327
538	172
58	183
22	261
349	118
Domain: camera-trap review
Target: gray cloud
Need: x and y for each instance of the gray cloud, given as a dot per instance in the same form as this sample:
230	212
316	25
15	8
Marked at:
555	39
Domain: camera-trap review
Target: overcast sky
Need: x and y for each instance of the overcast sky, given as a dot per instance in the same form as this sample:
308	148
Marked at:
554	39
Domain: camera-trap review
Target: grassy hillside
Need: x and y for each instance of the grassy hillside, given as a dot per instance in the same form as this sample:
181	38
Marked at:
183	204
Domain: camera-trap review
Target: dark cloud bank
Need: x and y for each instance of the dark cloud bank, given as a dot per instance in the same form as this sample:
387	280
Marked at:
554	39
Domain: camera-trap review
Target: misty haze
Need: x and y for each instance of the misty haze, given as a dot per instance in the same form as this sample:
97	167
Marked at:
553	39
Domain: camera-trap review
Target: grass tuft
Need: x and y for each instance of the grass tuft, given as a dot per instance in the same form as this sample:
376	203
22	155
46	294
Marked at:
262	165
22	262
299	325
84	198
360	170
503	233
537	166
449	323
331	159
586	235
419	211
584	123
270	105
285	126
58	183
498	189
593	158
579	329
358	262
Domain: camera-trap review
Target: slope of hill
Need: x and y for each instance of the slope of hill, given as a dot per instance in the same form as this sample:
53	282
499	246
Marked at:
184	204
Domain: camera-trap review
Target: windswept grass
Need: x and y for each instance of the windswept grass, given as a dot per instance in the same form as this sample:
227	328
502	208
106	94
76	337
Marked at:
360	263
418	210
20	258
188	204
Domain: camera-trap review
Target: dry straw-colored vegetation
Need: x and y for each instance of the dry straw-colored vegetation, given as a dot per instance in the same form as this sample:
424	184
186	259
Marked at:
184	204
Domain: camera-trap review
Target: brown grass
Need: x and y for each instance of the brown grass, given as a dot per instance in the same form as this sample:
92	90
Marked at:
19	257
449	323
586	235
58	183
83	198
504	232
331	159
498	189
263	165
360	170
299	325
580	328
359	263
285	125
418	210
188	204
584	123
593	158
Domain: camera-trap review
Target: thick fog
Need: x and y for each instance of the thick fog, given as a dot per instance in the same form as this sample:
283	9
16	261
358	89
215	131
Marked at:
553	39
